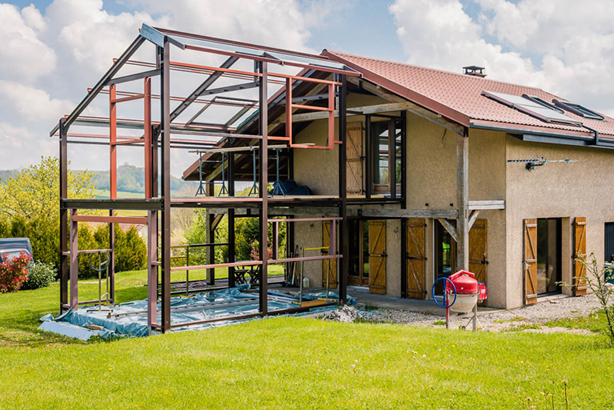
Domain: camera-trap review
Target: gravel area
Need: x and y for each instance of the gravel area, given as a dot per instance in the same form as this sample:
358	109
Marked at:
529	318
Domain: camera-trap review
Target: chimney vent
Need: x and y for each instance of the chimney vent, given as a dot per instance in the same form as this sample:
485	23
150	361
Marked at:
475	71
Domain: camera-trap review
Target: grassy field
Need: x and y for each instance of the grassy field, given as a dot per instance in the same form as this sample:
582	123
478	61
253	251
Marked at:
288	363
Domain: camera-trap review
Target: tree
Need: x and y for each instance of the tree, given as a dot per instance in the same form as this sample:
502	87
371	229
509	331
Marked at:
34	193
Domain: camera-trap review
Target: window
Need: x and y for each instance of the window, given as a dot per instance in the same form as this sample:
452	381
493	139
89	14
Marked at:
445	255
536	108
579	110
543	102
386	137
358	274
548	256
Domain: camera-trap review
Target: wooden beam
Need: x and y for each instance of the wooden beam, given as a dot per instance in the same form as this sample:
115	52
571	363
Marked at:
369	109
472	218
411	107
450	228
404	213
295	211
462	195
483	205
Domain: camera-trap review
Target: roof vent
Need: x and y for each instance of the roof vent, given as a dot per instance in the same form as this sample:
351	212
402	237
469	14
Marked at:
475	71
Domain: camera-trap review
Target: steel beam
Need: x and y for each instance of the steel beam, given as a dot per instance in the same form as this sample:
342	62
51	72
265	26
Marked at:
263	180
132	77
102	82
165	117
343	224
202	88
63	216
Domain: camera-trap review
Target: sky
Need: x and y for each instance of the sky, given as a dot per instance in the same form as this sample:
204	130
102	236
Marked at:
53	50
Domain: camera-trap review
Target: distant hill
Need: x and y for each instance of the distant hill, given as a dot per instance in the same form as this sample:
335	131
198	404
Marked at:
129	179
132	179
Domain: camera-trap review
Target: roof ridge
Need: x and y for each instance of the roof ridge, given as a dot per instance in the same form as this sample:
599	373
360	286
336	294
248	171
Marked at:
342	53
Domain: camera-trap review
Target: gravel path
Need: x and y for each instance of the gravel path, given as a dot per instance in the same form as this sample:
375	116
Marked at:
525	317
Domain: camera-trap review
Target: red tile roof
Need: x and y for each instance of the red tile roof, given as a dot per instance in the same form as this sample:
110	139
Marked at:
458	96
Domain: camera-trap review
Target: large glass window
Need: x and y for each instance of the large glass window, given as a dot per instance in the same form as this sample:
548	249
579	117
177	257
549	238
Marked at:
445	255
387	135
358	274
548	255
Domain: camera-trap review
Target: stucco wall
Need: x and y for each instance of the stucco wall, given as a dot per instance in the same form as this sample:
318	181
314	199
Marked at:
556	190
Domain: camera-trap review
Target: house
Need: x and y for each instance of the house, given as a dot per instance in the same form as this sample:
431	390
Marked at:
537	167
403	175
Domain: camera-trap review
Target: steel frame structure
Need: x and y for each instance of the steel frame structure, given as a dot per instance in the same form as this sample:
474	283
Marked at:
157	142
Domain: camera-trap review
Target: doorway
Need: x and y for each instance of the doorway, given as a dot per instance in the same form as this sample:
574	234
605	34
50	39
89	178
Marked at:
367	254
445	254
549	240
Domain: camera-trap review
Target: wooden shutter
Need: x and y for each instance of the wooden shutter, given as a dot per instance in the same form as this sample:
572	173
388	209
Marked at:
530	261
477	250
416	259
332	279
354	158
579	281
377	257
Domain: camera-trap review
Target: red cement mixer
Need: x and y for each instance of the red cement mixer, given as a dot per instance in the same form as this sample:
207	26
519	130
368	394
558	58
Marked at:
462	293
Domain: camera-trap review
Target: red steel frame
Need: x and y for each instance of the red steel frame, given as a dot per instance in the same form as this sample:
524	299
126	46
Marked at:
157	140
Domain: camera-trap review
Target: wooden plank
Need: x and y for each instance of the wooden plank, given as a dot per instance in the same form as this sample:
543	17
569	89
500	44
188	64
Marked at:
483	205
354	158
416	258
472	218
369	109
408	213
377	257
579	277
450	228
329	266
530	261
462	195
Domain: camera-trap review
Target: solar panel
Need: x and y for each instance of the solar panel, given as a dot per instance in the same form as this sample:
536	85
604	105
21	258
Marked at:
530	107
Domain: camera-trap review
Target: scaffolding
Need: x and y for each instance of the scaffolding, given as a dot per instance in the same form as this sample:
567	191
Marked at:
159	137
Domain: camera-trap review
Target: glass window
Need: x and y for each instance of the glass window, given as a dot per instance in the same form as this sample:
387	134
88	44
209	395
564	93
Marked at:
382	154
548	255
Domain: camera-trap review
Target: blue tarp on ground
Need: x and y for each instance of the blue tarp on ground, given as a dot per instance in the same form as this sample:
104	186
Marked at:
130	319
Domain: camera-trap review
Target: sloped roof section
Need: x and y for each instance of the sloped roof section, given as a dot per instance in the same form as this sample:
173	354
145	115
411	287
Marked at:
459	97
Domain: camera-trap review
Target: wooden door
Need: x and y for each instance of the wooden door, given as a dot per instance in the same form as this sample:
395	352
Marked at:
579	281
416	258
328	274
477	250
530	261
354	158
377	257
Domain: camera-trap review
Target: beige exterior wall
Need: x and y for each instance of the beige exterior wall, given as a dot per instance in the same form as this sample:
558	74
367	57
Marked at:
556	190
553	191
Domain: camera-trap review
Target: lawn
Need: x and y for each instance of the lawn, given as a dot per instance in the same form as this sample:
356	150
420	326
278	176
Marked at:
287	363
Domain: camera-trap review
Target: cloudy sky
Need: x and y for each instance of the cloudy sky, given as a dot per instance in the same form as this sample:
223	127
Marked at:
53	50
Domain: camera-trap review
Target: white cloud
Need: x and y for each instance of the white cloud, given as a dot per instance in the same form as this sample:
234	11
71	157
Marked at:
23	56
52	56
562	46
17	144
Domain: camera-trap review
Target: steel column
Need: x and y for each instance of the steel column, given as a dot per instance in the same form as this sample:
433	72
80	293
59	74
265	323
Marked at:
343	224
63	216
264	173
231	215
74	261
210	236
152	268
166	188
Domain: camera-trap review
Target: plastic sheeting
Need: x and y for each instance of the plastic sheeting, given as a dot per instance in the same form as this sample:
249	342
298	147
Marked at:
130	319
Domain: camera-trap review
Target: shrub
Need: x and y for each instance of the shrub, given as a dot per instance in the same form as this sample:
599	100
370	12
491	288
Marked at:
13	272
40	275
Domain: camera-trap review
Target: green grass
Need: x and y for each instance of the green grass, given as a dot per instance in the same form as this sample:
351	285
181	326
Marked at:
291	363
594	322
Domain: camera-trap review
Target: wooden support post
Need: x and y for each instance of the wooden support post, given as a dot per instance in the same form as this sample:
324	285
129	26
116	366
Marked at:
63	217
368	158
264	173
462	194
74	261
462	198
152	268
166	188
343	224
